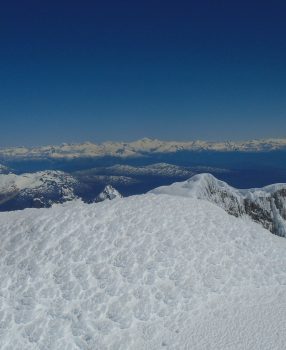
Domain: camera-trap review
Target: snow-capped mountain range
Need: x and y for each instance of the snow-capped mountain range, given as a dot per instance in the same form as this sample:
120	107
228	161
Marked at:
157	169
153	271
43	189
137	148
265	205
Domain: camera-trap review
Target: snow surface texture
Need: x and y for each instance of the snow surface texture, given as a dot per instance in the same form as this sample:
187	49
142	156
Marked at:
145	272
265	205
109	193
138	148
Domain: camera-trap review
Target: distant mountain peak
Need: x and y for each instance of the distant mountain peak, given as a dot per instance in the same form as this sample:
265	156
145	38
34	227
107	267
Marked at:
108	193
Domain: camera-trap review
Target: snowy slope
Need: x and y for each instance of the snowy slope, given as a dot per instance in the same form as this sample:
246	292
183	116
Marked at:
265	205
146	272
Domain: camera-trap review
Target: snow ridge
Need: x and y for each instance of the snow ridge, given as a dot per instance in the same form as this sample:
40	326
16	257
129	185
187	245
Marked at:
265	205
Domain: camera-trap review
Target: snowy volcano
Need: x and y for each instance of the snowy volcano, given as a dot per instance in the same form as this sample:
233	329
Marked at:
145	272
265	205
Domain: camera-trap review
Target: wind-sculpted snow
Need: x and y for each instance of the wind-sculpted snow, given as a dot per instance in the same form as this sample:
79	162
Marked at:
265	205
145	272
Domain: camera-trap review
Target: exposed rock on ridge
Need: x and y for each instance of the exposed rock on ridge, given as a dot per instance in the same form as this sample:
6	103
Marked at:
265	205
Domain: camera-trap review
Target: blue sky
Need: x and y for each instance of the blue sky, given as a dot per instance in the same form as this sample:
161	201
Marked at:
122	70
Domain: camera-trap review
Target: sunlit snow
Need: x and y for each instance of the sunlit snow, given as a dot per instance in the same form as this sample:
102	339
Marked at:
144	272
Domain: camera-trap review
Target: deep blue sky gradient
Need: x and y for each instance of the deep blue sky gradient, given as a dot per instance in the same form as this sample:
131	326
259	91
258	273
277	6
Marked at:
121	70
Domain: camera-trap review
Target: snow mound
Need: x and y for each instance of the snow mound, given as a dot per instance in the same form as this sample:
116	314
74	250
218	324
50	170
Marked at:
108	193
265	205
146	272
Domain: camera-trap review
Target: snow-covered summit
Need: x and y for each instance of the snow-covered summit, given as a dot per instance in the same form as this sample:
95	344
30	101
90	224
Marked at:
147	272
265	205
108	193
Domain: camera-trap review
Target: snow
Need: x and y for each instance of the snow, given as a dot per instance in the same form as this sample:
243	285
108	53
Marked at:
157	169
144	272
41	181
138	148
103	179
32	180
268	203
108	193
